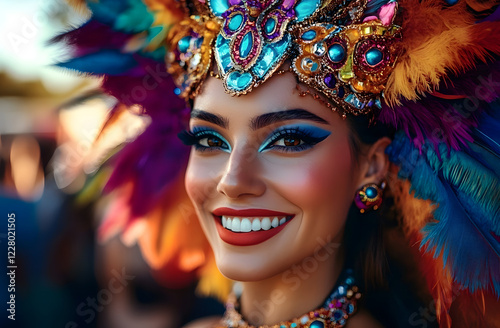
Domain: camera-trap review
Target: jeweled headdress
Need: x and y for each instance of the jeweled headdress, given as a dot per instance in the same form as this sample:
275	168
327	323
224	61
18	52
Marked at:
343	49
428	68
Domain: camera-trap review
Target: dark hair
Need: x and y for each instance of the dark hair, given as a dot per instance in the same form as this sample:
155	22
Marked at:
390	296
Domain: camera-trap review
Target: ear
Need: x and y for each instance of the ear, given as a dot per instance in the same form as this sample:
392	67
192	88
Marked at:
375	164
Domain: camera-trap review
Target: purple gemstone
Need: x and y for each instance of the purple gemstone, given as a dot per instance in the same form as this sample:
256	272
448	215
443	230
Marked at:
338	304
330	80
234	2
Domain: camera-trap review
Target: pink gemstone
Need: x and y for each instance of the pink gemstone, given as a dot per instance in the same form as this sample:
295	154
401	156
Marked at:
287	4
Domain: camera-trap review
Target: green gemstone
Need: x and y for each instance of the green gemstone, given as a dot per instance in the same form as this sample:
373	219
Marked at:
246	45
235	22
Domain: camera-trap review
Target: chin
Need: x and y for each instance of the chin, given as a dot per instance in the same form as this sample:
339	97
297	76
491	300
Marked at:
246	267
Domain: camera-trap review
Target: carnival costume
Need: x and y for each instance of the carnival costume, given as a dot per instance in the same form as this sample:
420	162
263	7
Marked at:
427	68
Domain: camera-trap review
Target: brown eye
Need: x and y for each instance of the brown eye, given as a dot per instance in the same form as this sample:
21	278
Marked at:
291	141
214	142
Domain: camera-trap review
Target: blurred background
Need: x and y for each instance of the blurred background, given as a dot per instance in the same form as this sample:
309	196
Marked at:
50	180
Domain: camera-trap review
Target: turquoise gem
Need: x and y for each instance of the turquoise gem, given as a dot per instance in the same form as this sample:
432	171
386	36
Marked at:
270	54
293	325
183	43
305	8
371	192
239	81
374	56
223	54
336	53
218	6
270	25
246	45
309	35
235	22
317	324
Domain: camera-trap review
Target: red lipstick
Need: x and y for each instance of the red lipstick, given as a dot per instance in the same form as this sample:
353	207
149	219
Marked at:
252	237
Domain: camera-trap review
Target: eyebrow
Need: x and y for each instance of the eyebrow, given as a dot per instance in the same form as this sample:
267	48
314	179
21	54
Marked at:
261	120
211	118
285	115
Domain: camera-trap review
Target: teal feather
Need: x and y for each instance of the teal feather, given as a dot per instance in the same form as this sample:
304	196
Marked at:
466	228
135	19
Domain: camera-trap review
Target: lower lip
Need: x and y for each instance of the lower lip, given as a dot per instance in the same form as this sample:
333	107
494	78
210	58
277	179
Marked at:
246	238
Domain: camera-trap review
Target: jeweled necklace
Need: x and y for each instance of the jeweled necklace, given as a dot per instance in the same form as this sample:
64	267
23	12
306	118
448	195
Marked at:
338	307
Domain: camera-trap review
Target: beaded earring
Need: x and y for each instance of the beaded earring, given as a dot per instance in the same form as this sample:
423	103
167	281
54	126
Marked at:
369	197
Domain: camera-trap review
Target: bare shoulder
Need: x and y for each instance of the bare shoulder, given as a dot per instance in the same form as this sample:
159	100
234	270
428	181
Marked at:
362	319
208	322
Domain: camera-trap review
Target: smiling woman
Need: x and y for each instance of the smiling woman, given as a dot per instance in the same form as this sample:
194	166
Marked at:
333	168
282	181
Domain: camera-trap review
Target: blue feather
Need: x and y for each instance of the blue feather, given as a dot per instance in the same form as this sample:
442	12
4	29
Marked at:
106	61
466	222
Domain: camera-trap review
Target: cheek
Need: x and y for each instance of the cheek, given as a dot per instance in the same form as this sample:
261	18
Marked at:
321	177
200	181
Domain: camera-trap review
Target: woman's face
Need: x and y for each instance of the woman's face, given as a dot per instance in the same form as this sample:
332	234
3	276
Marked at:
271	176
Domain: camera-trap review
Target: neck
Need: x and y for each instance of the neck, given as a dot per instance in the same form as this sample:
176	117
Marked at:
302	288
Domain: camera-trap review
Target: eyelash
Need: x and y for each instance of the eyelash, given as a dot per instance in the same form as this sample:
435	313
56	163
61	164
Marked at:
197	135
308	140
306	137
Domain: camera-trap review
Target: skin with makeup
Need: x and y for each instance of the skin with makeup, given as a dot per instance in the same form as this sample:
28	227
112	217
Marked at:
272	176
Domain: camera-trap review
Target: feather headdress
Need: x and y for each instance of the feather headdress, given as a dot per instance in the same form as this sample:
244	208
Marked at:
437	82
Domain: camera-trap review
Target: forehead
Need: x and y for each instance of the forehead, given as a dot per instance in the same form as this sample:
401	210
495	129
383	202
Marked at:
277	94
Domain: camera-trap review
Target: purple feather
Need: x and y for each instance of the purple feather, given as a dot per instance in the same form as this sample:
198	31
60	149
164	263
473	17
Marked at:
92	37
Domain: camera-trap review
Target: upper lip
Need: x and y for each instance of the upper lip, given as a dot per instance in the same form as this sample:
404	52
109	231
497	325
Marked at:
247	212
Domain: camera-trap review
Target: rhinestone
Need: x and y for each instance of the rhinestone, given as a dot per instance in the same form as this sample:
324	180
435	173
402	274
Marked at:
329	80
336	53
371	192
317	324
246	45
374	56
309	65
235	22
319	49
309	35
183	43
270	25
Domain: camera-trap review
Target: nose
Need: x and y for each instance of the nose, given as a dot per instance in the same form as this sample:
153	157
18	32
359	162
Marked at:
241	176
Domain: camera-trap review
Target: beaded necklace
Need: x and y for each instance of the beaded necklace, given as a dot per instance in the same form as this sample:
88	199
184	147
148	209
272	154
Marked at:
338	307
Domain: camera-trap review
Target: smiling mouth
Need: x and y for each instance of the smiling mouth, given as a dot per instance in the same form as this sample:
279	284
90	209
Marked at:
248	224
249	227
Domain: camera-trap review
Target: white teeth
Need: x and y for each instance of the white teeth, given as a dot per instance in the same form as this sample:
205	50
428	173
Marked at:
256	225
246	225
236	226
266	224
251	224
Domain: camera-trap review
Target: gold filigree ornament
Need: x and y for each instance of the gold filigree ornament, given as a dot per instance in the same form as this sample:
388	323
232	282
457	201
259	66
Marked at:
189	58
350	64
